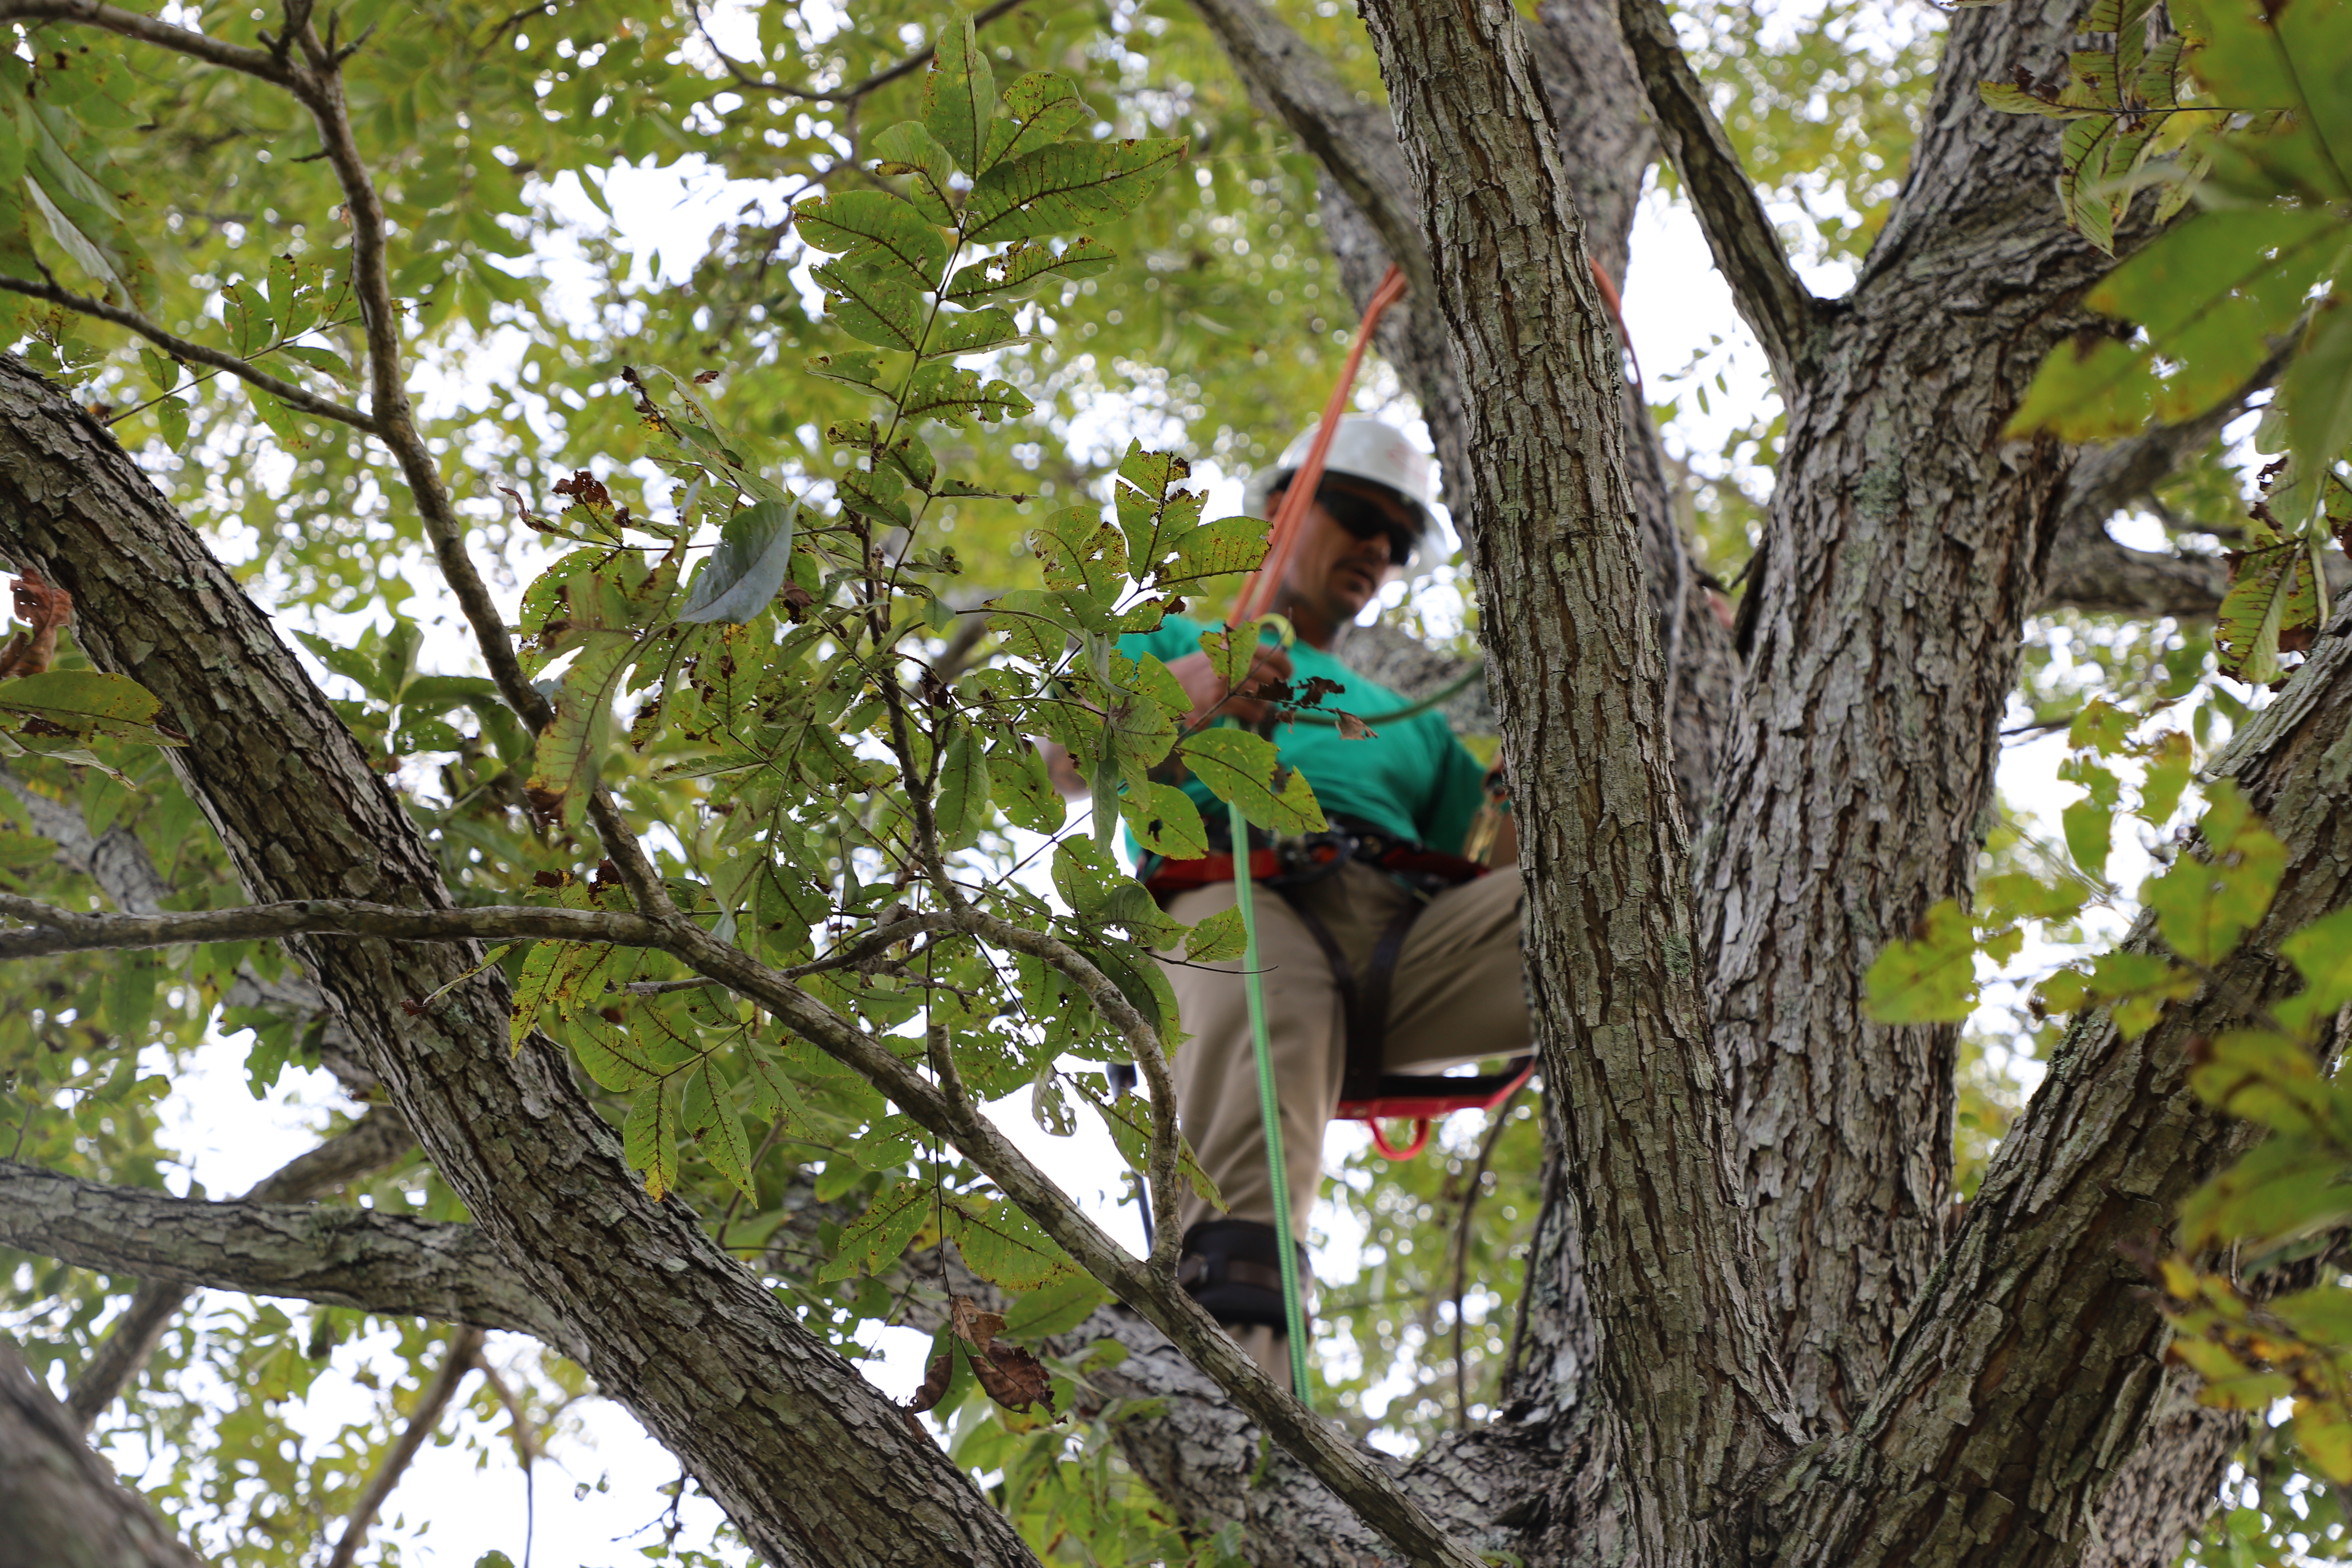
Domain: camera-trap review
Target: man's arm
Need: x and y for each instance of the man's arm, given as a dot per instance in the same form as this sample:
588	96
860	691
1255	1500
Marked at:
1207	692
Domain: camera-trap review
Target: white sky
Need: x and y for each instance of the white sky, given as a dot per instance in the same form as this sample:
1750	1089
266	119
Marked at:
455	1505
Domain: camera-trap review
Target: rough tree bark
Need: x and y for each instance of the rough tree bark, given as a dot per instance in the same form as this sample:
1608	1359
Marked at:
2035	1362
375	1142
60	1507
1932	1414
1906	542
1686	1363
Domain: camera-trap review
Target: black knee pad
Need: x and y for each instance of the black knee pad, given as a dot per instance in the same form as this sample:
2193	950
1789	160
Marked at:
1232	1267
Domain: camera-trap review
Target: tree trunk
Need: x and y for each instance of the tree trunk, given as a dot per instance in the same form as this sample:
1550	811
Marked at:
1906	541
60	1507
2034	1365
1579	681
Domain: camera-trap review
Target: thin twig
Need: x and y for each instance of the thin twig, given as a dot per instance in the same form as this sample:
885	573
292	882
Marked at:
297	397
465	1350
1462	1248
844	95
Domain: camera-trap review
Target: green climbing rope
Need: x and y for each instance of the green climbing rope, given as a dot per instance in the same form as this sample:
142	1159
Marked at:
1269	1109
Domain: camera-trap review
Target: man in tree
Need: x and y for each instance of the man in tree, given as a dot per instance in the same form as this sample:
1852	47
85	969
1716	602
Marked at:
1385	952
1752	1332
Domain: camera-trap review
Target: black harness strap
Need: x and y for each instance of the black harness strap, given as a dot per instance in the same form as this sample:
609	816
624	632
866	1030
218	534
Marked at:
1363	1000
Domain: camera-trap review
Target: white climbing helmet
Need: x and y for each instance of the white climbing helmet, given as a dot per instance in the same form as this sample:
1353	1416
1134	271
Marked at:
1372	449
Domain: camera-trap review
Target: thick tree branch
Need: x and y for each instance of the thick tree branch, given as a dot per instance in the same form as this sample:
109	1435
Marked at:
60	1506
373	1144
380	1262
1771	297
2038	1352
1695	1391
294	395
2091	573
62	931
1907	542
432	1402
252	62
1355	143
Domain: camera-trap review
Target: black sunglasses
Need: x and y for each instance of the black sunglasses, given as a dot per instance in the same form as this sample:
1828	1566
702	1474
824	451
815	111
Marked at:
1364	516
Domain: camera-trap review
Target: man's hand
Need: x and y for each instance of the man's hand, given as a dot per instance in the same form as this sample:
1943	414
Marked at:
1206	690
1201	683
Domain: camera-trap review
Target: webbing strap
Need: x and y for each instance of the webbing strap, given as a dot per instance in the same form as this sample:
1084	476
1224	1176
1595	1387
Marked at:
1363	998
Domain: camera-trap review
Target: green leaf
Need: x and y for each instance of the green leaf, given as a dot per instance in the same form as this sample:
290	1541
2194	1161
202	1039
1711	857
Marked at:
246	312
2212	292
1003	1246
163	371
2321	950
907	148
1024	787
951	395
88	703
649	1137
1220	937
172	422
318	359
2205	904
745	573
875	1239
1085	876
1049	1107
1020	269
2171	761
1240	767
130	982
959	94
1054	1310
1217	549
1067	186
1931	978
2089	836
1166	822
84	219
860	368
724	1142
974	331
2271	590
879	225
867	294
1035	625
1080	552
1233	650
961	809
2317	386
2089	389
1043	109
570	755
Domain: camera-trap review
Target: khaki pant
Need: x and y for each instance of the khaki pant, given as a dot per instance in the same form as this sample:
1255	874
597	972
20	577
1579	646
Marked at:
1458	997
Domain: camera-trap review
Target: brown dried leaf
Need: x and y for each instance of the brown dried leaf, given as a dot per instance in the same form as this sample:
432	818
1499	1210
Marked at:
1013	1378
936	1378
1007	1374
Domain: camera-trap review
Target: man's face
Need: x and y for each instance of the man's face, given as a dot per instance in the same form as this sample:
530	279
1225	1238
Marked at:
1334	573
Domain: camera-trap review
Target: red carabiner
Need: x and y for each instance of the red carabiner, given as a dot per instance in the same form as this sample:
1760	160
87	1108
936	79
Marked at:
1420	1138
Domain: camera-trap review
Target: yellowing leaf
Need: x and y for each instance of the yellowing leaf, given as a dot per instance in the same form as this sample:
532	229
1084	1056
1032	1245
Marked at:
88	703
1931	978
1242	768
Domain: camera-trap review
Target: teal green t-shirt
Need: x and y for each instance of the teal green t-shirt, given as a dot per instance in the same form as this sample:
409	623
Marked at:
1412	777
